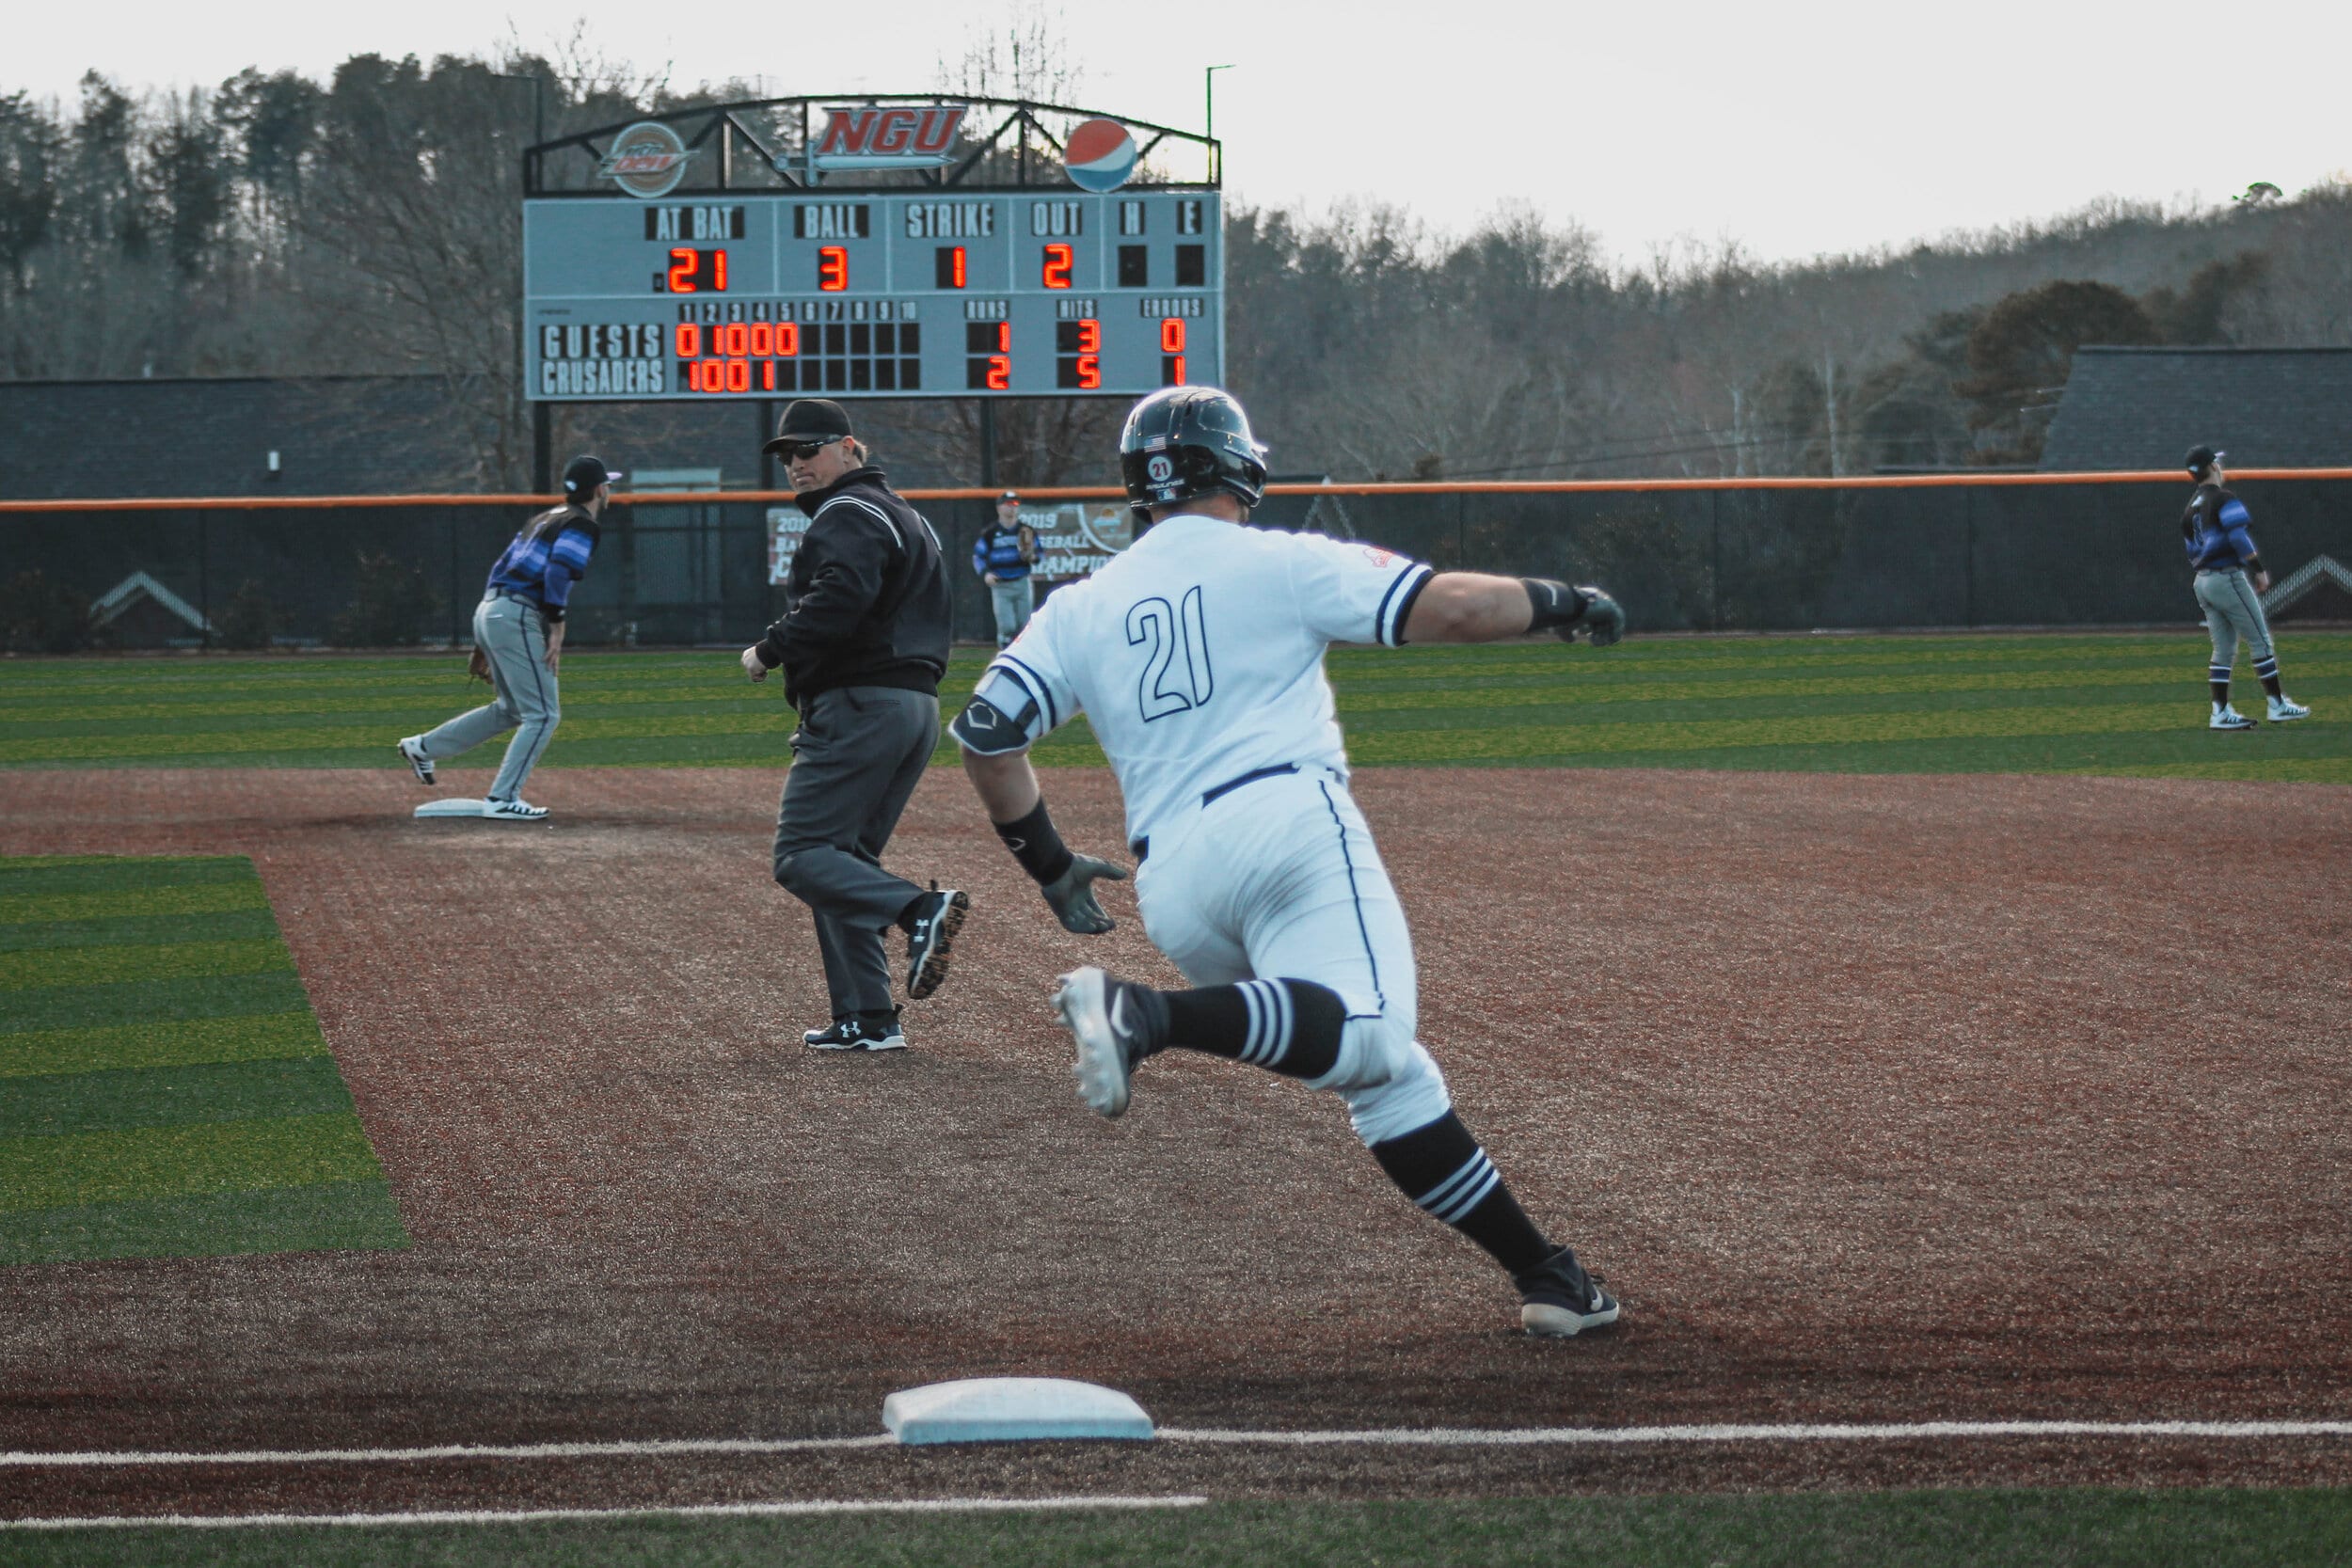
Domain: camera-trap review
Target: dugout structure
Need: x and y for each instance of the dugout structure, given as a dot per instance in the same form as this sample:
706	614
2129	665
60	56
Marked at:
1685	555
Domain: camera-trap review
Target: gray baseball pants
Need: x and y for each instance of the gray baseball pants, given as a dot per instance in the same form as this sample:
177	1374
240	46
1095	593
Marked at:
856	759
2233	610
1013	603
515	636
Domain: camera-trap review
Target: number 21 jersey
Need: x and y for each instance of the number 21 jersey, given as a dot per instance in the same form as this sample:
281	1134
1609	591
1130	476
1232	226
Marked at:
1196	654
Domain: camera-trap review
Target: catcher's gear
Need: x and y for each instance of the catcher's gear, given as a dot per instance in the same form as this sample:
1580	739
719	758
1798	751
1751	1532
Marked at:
1186	441
1072	896
478	664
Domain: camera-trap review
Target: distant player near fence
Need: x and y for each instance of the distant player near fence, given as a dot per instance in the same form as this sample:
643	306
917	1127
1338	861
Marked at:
2214	530
1196	654
518	642
1005	556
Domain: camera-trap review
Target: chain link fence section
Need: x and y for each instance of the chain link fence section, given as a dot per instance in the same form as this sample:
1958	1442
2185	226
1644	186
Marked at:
693	568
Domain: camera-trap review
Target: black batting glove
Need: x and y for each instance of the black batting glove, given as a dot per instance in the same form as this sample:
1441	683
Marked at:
1072	896
1603	620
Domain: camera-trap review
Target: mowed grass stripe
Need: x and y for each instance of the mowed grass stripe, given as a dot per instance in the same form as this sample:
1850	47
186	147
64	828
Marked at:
150	1001
323	1215
114	965
126	1099
2152	754
142	931
77	1169
153	1043
689	710
195	898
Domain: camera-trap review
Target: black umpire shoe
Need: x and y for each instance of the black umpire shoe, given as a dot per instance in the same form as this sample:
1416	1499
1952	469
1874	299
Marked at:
1559	1300
938	916
874	1031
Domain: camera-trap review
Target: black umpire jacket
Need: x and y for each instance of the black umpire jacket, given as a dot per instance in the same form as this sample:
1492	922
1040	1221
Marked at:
866	602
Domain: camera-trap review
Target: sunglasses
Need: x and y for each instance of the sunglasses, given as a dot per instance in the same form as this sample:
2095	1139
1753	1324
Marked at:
797	451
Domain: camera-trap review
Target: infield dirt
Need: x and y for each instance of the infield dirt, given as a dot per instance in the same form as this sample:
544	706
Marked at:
1876	1099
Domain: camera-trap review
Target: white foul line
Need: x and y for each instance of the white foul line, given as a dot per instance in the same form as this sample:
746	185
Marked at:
652	1448
1390	1436
1882	1433
542	1515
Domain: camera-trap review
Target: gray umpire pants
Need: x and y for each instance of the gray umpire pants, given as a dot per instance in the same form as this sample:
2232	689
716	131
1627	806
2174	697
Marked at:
2233	610
514	634
856	759
1014	602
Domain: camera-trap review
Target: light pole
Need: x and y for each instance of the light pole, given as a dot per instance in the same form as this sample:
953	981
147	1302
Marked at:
538	100
1209	91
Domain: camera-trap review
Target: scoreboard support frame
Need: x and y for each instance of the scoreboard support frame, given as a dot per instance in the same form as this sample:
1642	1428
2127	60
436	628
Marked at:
781	156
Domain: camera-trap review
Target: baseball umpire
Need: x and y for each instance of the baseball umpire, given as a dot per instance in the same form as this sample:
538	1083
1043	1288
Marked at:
2222	553
519	640
862	645
1197	655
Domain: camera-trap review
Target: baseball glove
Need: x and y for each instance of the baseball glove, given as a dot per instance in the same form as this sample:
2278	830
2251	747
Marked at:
1603	618
1072	896
478	665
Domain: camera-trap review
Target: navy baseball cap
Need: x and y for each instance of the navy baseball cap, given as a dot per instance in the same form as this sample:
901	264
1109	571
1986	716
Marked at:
2201	458
581	475
1008	496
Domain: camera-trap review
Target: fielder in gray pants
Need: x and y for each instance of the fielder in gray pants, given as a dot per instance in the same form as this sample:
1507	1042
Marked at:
514	634
518	634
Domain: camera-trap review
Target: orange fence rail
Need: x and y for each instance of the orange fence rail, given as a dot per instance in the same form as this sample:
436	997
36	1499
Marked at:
1098	491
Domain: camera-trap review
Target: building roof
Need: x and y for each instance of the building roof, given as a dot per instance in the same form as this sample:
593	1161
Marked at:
355	435
2143	407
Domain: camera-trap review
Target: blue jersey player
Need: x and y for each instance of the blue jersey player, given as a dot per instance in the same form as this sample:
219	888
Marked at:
518	632
2222	554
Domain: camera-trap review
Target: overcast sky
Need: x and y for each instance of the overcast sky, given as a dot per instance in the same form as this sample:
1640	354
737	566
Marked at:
1797	130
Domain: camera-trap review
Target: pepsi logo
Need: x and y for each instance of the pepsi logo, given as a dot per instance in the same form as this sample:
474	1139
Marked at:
1099	155
647	159
1160	470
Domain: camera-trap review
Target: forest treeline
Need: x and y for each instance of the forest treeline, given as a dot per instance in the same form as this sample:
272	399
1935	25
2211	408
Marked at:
370	224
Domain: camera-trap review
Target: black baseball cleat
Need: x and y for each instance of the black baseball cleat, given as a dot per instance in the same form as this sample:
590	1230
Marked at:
1558	1300
1117	1024
929	935
876	1032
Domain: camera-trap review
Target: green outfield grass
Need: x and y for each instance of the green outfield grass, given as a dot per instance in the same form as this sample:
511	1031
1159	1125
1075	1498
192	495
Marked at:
2038	704
164	1087
1921	1530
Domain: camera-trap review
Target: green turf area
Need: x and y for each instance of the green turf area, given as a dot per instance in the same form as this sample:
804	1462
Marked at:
1923	1529
164	1087
2073	704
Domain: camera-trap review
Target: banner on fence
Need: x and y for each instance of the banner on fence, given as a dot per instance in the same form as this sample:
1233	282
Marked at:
1076	539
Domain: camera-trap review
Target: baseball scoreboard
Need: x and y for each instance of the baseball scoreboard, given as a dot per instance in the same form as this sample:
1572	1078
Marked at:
894	294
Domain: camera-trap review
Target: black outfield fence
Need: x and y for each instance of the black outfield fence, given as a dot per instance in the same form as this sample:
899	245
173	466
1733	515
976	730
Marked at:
1774	555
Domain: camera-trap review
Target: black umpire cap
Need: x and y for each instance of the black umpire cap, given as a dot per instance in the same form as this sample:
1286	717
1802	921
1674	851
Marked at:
809	420
2201	459
582	474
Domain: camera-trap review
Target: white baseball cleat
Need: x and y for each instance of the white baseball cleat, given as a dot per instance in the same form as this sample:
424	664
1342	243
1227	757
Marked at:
2284	708
517	809
412	748
2229	719
1111	1035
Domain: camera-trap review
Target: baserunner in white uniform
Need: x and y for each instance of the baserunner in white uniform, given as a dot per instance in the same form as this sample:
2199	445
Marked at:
1197	656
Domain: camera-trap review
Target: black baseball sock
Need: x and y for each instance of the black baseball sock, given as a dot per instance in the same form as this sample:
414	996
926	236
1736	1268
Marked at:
1286	1026
1441	1168
2266	670
2218	677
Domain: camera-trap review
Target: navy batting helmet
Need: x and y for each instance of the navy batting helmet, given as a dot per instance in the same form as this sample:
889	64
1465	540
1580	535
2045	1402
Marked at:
1186	441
